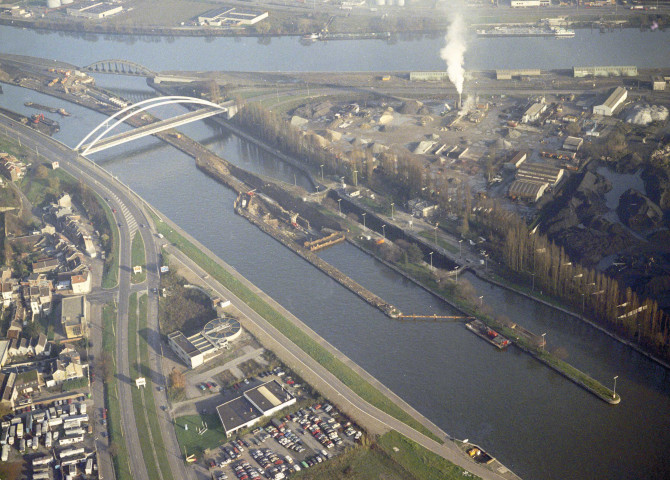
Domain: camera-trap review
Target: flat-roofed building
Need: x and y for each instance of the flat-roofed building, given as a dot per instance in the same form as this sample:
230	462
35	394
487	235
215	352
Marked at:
254	404
627	70
74	315
527	190
517	160
206	344
573	143
658	83
231	17
616	98
540	173
185	349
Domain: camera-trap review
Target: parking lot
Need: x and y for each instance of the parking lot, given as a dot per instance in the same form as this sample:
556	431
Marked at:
285	445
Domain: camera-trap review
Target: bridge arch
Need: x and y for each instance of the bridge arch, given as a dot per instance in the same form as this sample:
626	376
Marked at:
132	110
120	67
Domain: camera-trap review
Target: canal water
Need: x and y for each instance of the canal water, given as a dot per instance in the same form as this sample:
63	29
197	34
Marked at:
537	423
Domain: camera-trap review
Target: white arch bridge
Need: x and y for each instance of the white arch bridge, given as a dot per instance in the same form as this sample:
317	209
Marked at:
99	143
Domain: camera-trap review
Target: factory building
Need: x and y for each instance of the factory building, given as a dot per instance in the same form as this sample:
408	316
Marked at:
206	344
629	71
231	17
95	11
254	404
616	98
573	143
517	161
533	113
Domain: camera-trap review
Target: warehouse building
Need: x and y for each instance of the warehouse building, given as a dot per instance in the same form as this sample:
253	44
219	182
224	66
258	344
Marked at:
95	11
517	160
629	71
509	74
231	17
616	98
573	144
427	76
527	190
540	173
658	83
533	113
254	404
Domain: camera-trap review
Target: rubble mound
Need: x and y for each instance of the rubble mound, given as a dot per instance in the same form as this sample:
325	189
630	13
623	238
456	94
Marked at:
644	114
638	212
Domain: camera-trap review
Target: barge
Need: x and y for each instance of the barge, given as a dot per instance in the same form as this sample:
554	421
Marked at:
45	108
558	32
481	330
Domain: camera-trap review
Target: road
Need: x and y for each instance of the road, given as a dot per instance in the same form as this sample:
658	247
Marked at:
128	215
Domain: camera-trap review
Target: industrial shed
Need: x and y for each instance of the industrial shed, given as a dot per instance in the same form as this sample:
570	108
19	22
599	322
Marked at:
540	173
616	98
527	190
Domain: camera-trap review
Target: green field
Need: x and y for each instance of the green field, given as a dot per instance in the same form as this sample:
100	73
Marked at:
191	442
137	258
348	376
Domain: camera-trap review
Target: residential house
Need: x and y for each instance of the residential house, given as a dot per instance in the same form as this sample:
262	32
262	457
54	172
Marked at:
28	382
40	346
74	314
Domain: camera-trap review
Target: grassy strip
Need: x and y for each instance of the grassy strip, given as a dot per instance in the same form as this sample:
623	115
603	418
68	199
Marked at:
120	457
111	268
138	405
137	258
149	402
421	462
348	376
442	243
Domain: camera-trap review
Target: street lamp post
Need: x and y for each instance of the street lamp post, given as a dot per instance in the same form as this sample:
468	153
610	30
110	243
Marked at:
339	206
384	230
533	287
392	211
363	220
460	248
321	172
456	270
544	340
431	260
481	301
614	391
436	233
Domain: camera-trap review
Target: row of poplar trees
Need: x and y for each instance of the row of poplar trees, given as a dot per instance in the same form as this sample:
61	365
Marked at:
600	297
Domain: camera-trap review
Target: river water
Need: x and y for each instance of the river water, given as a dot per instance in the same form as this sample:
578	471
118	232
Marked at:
537	423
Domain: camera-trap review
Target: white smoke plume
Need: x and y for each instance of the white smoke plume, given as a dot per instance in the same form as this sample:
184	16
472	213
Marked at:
453	51
645	114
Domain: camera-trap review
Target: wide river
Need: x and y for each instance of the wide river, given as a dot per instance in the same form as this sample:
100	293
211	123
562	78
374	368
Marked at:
537	423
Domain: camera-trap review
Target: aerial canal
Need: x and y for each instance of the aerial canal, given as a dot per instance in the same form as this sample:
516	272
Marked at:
534	421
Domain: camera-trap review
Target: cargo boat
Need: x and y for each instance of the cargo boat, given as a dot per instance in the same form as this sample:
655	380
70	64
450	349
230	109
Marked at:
481	330
355	36
558	32
47	109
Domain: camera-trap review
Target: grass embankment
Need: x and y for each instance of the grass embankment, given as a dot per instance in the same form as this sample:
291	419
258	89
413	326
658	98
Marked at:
138	405
110	273
149	402
120	458
348	376
424	464
137	258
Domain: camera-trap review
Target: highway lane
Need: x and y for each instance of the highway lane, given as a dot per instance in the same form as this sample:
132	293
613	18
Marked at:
129	216
329	384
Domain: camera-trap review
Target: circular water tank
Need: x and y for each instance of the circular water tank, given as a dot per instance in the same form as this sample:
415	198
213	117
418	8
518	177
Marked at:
66	2
53	3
